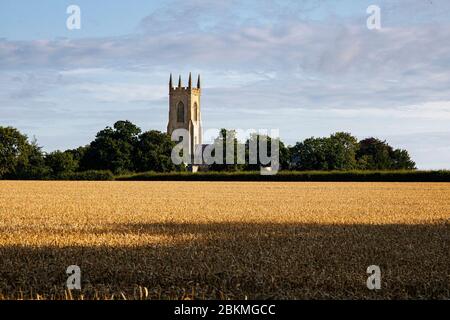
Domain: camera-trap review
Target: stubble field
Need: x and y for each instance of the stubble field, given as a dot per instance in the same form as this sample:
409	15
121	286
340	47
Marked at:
224	240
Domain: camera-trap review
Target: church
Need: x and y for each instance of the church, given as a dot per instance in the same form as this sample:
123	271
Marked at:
185	113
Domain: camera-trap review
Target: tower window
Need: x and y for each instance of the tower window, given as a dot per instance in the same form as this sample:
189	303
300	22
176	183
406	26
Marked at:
195	111
180	112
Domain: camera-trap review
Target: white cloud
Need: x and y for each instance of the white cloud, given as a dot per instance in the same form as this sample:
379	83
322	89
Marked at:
120	92
258	69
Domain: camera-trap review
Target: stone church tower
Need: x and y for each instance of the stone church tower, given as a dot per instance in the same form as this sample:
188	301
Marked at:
184	111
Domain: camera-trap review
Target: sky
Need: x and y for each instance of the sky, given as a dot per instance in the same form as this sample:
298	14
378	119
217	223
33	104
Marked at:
307	68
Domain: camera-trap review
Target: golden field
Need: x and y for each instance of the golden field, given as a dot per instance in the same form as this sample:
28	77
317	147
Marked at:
224	240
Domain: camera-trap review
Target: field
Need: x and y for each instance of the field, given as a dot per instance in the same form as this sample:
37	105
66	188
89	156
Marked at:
224	240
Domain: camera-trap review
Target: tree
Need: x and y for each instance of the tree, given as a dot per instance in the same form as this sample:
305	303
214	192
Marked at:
375	154
285	156
78	155
18	157
311	154
113	148
402	160
14	148
341	150
61	162
34	167
256	139
222	138
153	152
123	148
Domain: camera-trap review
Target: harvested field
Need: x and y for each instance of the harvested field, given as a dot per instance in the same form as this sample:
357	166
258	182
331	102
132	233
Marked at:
224	240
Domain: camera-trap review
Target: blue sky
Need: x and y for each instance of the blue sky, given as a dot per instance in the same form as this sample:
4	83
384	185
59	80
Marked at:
308	68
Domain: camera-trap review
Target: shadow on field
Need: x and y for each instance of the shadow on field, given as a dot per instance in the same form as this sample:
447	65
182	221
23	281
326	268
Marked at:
233	260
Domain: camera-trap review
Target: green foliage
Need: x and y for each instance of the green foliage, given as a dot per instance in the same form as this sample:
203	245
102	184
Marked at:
342	151
225	135
338	152
78	154
34	167
256	140
90	175
61	162
14	149
123	150
374	154
342	148
244	162
153	151
401	160
113	148
353	175
311	154
18	157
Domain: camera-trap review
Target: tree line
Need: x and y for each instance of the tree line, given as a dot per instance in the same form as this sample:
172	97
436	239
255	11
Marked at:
124	148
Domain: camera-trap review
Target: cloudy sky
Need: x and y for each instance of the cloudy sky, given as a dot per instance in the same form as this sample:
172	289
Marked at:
308	68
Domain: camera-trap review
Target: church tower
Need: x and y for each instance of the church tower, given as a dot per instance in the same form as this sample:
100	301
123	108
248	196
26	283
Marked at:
184	111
